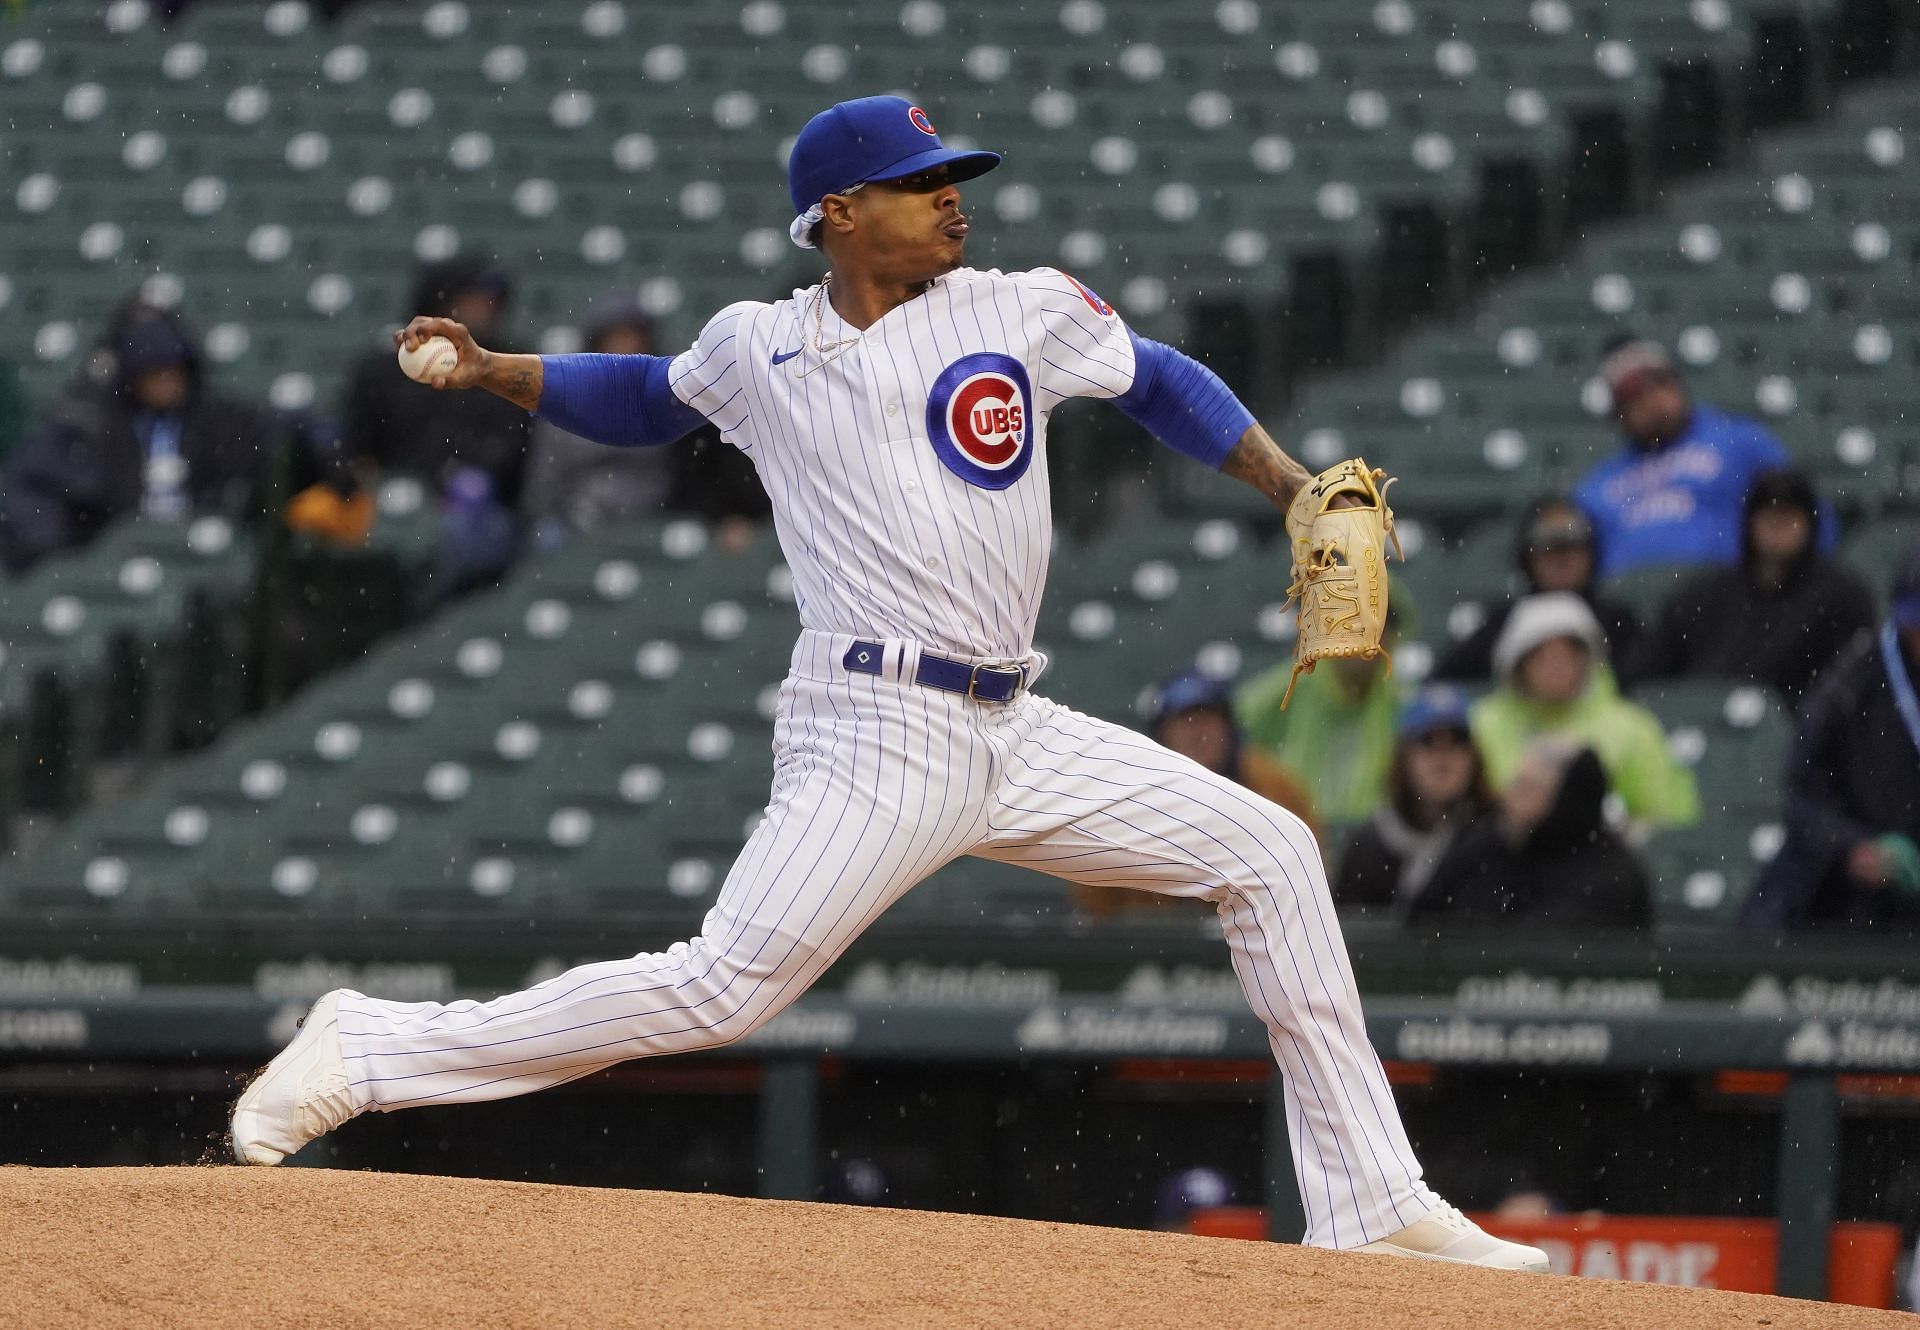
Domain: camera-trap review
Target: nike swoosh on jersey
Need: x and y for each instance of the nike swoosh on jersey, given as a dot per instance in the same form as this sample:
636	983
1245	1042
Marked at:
782	357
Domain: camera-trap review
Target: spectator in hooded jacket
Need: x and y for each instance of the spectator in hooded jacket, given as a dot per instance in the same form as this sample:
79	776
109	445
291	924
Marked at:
1676	491
573	484
1555	552
1336	735
578	483
1436	833
468	449
1852	852
149	436
1778	618
1554	681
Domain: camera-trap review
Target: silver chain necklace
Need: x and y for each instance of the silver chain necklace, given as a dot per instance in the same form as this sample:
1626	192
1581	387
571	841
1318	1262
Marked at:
820	346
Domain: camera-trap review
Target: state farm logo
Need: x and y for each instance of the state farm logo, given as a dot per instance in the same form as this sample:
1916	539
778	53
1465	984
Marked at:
980	419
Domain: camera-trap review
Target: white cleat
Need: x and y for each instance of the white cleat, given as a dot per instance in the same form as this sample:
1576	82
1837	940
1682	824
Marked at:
1447	1235
301	1096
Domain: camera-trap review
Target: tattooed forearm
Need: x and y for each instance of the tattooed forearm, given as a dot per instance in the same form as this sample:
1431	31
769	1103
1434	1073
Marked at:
517	378
1258	461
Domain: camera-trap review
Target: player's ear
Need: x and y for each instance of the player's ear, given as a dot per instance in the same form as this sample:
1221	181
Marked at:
836	213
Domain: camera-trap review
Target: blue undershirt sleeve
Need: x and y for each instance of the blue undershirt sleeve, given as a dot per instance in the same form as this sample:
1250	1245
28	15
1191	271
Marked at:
1183	404
620	400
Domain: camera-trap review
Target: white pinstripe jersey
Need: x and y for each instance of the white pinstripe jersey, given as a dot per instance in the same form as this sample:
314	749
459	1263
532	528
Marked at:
908	472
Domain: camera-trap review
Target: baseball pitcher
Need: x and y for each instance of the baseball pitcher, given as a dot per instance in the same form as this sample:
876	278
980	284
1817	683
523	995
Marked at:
897	413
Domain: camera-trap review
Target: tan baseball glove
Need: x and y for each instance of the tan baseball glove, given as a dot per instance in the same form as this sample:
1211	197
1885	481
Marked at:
1340	527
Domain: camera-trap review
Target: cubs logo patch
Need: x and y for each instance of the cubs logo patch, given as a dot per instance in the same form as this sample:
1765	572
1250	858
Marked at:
1100	307
920	121
980	419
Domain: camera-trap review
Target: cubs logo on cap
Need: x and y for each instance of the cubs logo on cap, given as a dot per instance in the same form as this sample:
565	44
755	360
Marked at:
980	419
920	121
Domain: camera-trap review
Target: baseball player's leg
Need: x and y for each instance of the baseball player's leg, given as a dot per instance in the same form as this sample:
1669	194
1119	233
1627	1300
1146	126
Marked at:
860	813
1091	801
840	843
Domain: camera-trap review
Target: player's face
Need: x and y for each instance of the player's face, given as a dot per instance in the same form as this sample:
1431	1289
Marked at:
1561	567
1440	766
1201	733
1780	532
910	229
163	389
1656	413
1555	671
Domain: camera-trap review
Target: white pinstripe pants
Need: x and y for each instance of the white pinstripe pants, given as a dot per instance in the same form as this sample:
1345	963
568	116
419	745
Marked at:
877	783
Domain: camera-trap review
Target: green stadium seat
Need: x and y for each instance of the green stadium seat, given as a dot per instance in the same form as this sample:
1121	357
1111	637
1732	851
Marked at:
1703	875
1735	737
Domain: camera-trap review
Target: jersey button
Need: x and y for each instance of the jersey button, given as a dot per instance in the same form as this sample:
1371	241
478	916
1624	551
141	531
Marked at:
893	408
932	562
912	485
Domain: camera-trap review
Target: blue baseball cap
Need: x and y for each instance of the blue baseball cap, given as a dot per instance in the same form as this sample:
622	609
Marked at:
1189	689
1437	707
868	138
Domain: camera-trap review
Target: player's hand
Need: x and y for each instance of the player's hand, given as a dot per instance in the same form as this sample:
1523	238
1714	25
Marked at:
473	357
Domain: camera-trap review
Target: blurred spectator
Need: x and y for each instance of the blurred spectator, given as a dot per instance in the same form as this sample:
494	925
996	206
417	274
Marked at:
1337	735
1565	867
149	436
573	484
1674	494
1778	618
1189	1190
468	448
579	483
1434	834
1853	786
1551	664
1555	552
1193	715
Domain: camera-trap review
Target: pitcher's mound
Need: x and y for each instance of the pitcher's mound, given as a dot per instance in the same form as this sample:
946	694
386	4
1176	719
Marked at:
220	1247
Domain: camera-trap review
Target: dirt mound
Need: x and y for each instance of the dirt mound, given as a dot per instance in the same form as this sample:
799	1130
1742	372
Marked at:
220	1247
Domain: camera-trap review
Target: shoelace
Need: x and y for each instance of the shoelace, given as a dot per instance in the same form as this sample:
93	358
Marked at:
326	1107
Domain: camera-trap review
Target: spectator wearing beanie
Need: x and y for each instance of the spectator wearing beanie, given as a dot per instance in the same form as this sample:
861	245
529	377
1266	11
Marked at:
1778	618
1551	664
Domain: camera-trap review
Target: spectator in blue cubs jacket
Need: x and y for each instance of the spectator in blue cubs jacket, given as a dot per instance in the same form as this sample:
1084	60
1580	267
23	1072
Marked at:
1675	493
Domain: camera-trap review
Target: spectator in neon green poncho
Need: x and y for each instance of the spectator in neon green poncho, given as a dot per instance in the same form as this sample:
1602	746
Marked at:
1551	663
1336	736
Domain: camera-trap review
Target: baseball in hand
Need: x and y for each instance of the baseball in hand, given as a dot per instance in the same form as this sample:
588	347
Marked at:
433	357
